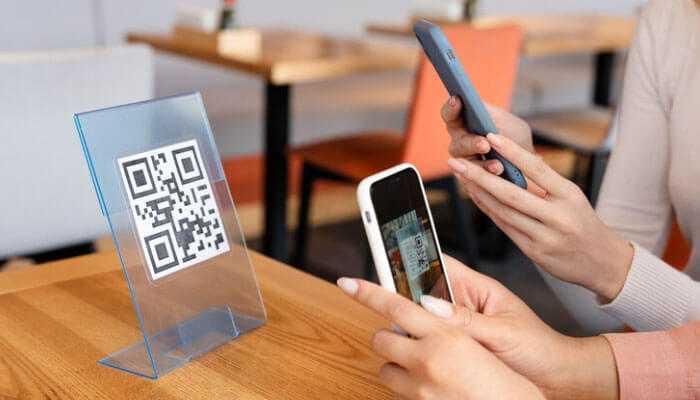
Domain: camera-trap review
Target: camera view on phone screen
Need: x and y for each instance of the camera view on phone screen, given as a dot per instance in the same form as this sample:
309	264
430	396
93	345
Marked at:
408	238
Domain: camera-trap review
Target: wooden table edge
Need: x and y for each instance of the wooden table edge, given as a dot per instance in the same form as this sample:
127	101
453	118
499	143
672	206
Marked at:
535	47
287	72
88	265
160	42
58	271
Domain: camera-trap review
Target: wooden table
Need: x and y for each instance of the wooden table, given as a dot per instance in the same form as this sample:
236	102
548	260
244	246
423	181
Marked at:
554	35
58	319
547	35
286	58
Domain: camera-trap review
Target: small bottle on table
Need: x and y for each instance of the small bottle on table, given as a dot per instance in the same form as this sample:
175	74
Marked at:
228	15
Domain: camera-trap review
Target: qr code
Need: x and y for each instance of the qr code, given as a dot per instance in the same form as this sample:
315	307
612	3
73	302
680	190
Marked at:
171	201
413	246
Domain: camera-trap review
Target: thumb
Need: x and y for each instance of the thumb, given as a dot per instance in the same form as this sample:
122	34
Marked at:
480	327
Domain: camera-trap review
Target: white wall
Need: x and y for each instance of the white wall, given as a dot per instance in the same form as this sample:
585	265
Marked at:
42	24
34	25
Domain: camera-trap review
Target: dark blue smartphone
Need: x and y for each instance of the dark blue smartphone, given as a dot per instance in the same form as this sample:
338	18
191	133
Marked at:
457	83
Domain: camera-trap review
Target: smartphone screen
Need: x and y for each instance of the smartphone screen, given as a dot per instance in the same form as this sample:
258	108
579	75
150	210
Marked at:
409	240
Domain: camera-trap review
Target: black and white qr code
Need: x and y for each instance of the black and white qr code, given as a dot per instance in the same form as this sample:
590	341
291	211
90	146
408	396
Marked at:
171	201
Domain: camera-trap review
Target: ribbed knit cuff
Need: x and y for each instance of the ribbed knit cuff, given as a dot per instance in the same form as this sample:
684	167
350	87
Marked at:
649	366
655	295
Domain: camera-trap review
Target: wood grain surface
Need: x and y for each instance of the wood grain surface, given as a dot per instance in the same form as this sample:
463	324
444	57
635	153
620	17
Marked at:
289	57
550	35
583	130
58	319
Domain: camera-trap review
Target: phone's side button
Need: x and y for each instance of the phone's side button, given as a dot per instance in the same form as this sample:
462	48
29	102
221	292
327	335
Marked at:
368	217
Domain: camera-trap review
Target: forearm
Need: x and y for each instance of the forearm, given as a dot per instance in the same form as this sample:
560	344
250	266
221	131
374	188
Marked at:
638	288
587	370
614	262
654	296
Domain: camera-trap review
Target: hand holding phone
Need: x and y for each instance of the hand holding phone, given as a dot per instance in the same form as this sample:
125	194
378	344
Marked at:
401	234
474	113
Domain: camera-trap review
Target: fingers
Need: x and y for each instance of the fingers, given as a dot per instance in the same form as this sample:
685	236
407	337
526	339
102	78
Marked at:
513	127
496	167
395	348
530	164
535	189
456	269
520	221
480	327
397	379
493	166
506	192
451	113
403	312
464	144
482	200
470	288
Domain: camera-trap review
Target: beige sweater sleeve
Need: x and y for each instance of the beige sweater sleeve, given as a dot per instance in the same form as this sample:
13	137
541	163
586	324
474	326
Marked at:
634	199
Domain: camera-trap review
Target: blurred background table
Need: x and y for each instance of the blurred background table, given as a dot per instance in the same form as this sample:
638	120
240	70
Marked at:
59	318
549	34
554	35
287	57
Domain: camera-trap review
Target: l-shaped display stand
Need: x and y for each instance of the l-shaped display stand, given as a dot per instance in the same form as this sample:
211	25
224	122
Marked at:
161	186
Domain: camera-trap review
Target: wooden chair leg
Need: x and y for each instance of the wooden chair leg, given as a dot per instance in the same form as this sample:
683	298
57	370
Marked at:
302	233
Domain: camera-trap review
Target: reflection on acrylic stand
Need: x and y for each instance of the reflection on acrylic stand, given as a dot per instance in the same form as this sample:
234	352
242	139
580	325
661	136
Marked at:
160	184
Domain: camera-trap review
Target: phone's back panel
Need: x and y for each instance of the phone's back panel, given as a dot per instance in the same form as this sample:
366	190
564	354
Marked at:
451	72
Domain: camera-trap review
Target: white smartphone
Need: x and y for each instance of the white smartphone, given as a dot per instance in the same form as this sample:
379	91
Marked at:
401	234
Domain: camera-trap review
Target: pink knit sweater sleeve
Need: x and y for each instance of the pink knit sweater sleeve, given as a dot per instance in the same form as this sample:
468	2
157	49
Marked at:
658	365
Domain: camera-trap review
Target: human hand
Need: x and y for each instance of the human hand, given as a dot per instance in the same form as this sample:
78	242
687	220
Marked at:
559	230
562	367
470	146
439	360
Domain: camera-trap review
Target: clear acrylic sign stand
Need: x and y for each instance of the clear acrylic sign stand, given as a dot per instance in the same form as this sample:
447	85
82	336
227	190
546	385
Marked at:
161	186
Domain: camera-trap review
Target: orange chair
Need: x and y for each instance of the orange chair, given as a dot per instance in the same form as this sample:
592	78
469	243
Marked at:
490	57
678	250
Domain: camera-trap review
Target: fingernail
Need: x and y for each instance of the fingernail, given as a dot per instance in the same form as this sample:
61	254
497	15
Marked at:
482	146
453	101
436	306
348	285
495	167
398	329
495	139
456	165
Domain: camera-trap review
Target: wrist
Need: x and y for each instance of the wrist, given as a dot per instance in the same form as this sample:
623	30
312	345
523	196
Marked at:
586	370
615	273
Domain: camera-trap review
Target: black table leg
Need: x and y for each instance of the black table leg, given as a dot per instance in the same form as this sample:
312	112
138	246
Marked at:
602	96
602	84
276	170
594	178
